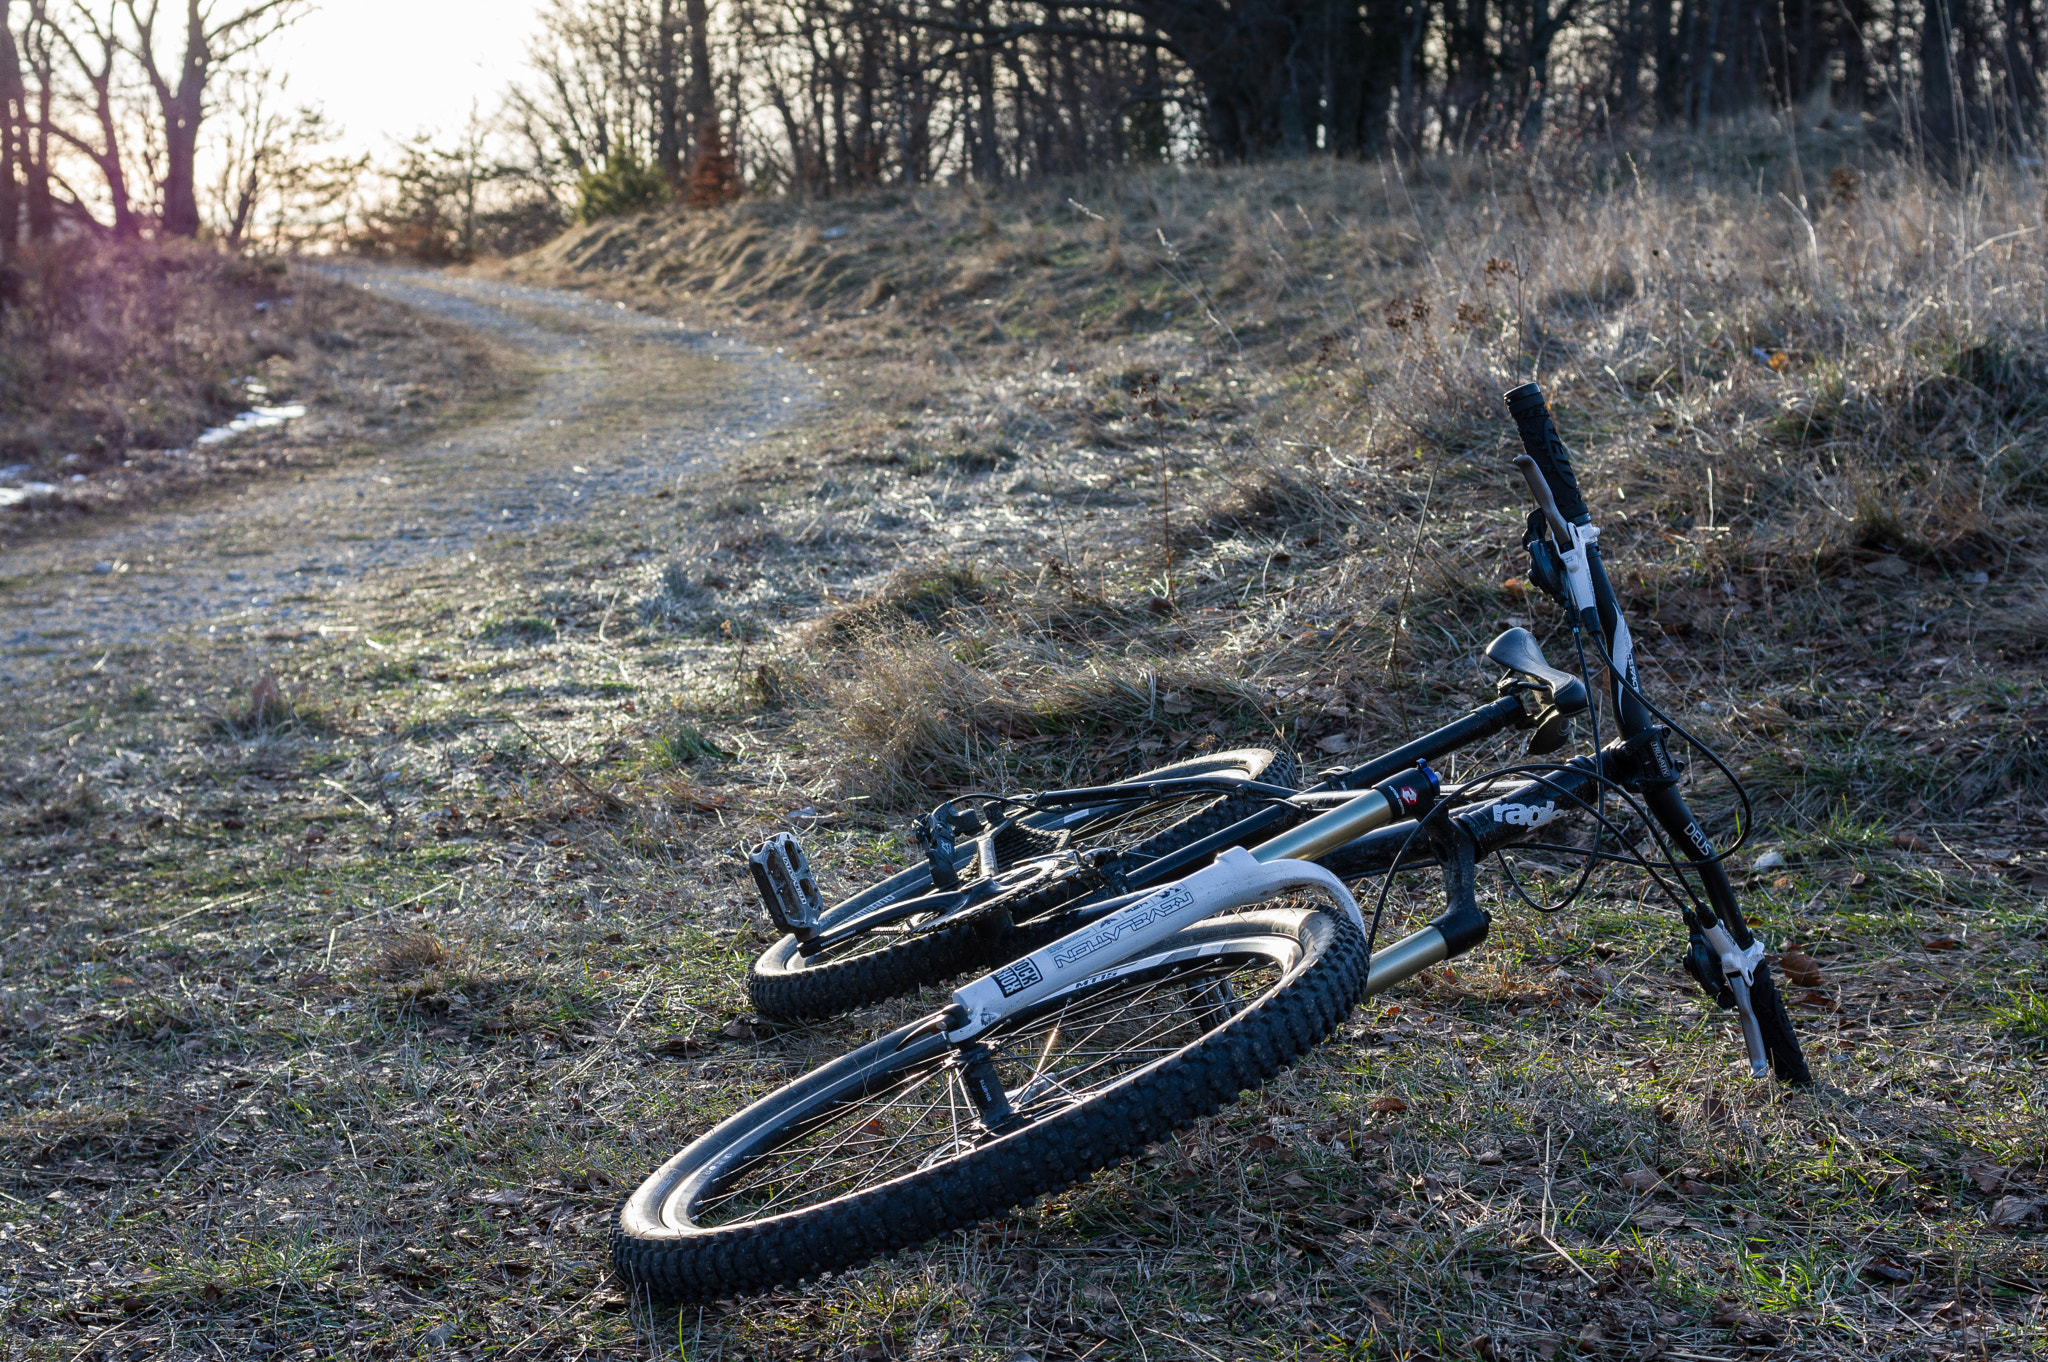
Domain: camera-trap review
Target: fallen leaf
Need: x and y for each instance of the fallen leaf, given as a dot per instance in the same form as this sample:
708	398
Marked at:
1489	1157
503	1196
1335	743
1906	841
1547	1345
681	1046
1267	1299
1387	1105
1941	943
1714	1109
689	797
1297	1182
739	1028
1885	1270
2013	1210
1642	1181
1801	968
1262	1143
1813	998
1741	1321
1989	1177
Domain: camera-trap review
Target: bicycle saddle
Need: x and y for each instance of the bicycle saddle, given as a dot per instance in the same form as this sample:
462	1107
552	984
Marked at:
1517	651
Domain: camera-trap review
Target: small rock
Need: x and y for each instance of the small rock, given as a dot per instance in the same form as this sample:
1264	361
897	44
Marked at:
102	569
439	1334
1770	860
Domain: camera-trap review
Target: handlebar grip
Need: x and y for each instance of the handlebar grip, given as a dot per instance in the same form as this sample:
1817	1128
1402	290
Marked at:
1553	460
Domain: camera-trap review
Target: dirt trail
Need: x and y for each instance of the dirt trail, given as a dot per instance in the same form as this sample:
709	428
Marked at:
623	404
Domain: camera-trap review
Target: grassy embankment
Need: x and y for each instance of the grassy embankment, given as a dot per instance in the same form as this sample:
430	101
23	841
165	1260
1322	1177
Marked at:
114	357
468	933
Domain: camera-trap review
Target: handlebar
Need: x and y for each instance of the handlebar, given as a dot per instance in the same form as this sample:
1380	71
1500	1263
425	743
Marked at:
1539	436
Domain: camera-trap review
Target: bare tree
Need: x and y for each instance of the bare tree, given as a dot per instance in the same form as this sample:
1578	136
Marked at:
209	40
97	70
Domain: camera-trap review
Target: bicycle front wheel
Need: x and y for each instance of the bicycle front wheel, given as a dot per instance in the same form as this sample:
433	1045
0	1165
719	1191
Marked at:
882	1149
788	982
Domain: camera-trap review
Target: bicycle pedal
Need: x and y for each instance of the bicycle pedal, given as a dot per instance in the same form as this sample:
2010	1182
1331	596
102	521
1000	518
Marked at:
789	891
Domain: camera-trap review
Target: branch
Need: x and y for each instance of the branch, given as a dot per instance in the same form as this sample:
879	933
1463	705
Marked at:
250	16
1002	35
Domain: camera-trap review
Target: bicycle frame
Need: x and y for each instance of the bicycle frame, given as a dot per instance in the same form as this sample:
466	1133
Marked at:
910	892
1564	548
1235	879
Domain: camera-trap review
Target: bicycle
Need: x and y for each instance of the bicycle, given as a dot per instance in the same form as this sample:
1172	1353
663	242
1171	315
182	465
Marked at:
996	884
1079	1054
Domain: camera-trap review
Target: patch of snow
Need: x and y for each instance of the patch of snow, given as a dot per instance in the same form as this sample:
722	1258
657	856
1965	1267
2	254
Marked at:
28	491
256	418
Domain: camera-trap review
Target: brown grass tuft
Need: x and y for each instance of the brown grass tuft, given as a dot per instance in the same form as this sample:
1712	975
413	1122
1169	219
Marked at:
408	954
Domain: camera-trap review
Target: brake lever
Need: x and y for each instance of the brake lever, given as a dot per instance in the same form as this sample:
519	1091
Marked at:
1737	969
1547	503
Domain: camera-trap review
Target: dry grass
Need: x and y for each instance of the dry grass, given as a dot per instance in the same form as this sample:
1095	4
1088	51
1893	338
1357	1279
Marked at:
354	1147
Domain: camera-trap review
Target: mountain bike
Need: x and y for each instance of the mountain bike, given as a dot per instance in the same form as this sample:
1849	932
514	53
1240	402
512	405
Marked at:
1002	875
1160	1012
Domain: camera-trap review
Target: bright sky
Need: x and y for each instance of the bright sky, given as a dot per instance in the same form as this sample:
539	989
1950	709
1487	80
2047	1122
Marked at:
386	69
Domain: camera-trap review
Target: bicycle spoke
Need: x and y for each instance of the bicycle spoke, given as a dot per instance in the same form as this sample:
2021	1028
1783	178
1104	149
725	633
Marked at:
1047	1062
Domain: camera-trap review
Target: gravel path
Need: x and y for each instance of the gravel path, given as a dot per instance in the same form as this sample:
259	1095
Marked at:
624	404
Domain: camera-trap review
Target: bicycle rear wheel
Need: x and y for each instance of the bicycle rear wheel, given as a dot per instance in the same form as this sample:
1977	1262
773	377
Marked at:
911	952
882	1149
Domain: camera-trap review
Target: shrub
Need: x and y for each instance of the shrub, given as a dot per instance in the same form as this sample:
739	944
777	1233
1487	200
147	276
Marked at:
625	185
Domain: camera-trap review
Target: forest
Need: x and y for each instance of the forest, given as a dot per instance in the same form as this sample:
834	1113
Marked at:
129	117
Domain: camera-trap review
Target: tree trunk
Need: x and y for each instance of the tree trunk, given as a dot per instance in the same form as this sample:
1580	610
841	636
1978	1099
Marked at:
1468	75
2023	65
42	211
703	101
1379	72
1856	91
1544	26
1707	42
1668	57
668	111
1940	128
12	96
182	111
